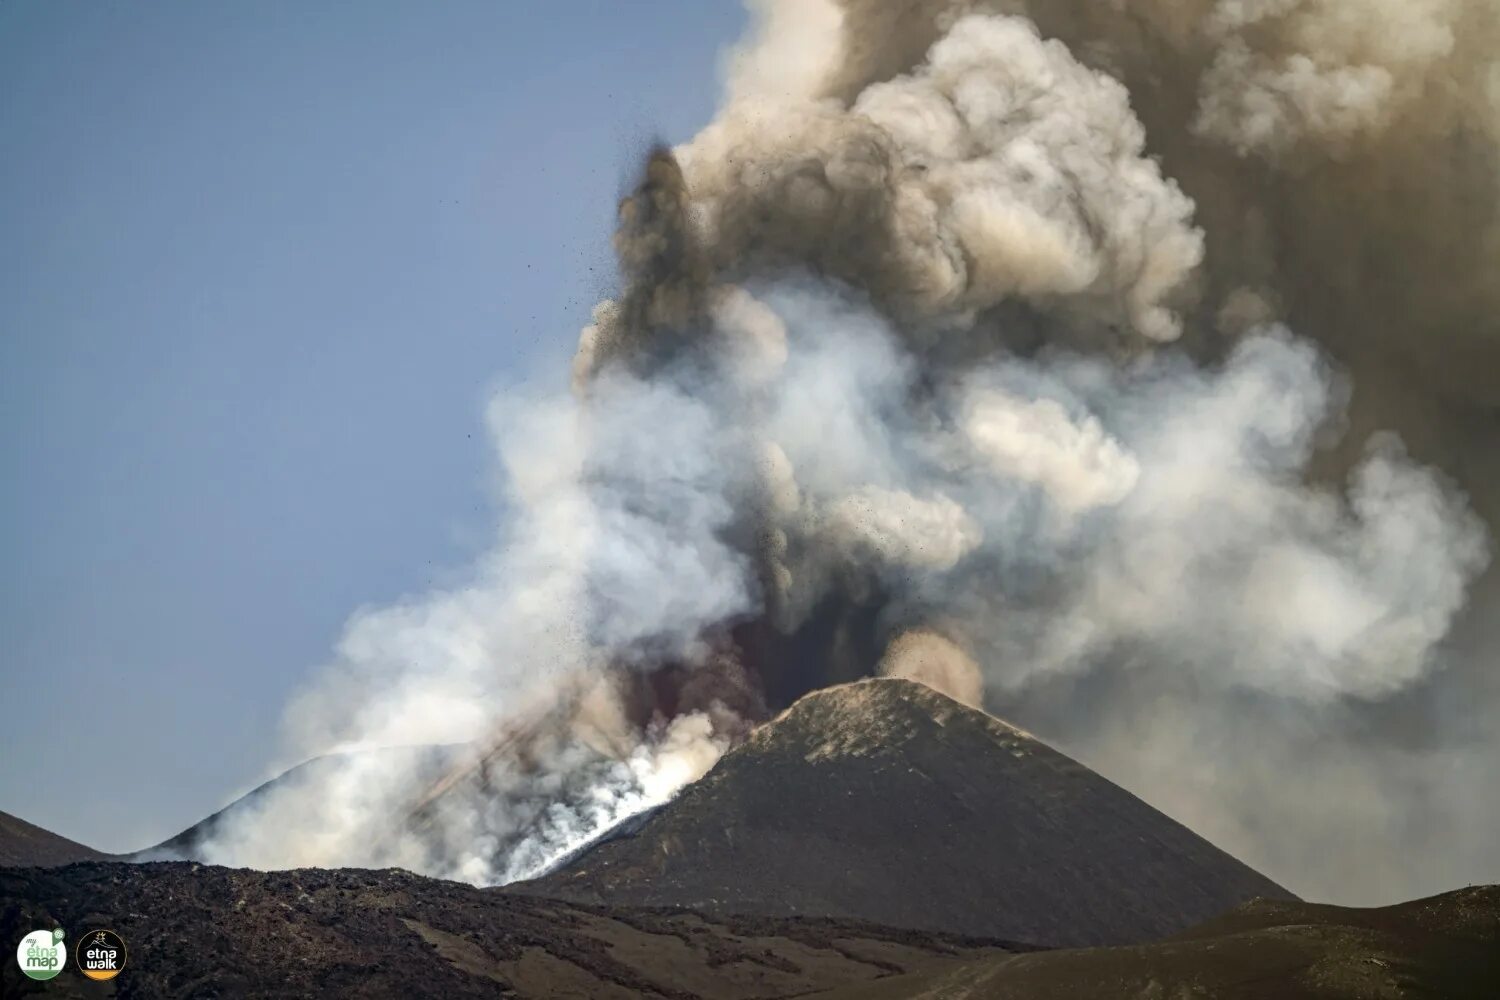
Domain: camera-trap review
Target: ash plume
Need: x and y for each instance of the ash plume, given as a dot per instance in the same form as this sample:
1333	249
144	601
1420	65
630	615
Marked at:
1127	370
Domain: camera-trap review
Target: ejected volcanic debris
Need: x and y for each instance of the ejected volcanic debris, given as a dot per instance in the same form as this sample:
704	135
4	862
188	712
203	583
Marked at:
885	801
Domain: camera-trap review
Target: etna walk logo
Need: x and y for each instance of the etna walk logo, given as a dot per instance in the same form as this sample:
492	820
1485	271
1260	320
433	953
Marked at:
42	954
101	954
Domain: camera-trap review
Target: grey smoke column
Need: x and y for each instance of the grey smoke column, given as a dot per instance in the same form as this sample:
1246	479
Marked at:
1013	383
1048	356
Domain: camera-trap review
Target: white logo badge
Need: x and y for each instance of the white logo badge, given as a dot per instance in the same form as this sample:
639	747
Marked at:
42	954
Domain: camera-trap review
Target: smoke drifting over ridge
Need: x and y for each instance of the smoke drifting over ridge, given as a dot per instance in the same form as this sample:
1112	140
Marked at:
1046	356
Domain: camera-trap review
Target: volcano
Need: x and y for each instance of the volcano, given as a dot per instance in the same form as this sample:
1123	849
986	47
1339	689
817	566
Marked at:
27	845
880	797
886	801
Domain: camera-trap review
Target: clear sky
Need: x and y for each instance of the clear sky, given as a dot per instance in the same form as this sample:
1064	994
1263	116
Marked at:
261	264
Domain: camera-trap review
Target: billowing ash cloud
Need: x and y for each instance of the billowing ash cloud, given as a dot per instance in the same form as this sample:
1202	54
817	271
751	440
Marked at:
1130	372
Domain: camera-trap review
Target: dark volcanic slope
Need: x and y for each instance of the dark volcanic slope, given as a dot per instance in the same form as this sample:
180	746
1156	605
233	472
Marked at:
22	843
1445	947
199	931
886	801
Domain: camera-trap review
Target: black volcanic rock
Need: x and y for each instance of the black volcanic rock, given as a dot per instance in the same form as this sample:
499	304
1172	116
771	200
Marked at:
199	931
888	802
26	844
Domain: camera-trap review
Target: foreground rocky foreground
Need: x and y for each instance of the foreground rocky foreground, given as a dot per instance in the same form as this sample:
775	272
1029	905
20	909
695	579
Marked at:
200	932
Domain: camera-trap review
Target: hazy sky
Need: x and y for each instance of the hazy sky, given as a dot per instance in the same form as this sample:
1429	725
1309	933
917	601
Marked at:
260	266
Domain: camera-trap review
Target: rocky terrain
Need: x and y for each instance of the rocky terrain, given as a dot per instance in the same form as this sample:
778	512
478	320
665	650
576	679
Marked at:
200	931
885	801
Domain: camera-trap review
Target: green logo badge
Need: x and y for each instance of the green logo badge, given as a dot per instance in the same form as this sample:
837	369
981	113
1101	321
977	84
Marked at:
42	954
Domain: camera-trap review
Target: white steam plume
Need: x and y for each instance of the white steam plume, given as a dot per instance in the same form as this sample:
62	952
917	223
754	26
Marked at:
929	344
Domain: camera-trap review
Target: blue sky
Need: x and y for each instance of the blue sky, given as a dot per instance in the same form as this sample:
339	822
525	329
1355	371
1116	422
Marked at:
260	267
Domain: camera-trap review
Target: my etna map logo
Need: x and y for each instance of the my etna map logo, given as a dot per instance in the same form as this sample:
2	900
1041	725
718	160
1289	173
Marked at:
42	954
101	954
